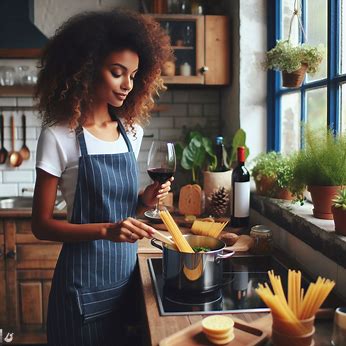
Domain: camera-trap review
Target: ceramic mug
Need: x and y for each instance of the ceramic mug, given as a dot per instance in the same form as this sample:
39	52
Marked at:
339	329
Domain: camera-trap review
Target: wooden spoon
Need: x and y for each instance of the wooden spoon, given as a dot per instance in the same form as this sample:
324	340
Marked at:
160	236
15	158
24	151
3	151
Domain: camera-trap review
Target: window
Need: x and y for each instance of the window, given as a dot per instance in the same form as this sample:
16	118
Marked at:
321	100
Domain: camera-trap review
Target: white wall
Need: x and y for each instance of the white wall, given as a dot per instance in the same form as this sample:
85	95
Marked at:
244	102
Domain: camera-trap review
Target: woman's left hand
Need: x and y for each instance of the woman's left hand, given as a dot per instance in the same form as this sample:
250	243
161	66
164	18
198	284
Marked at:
156	191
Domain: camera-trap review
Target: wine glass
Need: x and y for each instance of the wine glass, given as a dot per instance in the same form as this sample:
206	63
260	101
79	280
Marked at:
161	167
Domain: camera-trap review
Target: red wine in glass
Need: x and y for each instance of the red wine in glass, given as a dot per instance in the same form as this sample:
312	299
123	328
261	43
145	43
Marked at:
161	167
160	174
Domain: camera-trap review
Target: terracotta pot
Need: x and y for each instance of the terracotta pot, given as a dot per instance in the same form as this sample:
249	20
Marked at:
266	186
322	200
294	79
339	215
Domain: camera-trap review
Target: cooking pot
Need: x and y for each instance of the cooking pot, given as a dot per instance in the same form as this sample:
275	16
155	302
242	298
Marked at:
198	272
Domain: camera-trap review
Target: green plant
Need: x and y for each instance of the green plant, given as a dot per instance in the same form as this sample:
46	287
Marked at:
197	153
340	199
280	168
286	57
323	160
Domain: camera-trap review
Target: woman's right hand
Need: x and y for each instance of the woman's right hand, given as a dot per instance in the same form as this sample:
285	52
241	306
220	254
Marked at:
128	230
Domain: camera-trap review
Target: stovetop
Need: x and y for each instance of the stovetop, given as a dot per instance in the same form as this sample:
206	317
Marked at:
241	275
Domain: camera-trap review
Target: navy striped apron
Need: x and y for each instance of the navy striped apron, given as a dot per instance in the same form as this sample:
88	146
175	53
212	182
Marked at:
92	278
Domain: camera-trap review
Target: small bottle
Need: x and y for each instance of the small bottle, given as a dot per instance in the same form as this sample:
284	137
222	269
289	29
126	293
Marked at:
185	69
220	155
240	208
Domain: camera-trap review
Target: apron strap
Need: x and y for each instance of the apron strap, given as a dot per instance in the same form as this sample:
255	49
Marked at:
81	139
123	133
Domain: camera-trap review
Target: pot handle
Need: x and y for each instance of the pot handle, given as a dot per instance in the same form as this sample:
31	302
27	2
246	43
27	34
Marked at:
222	257
153	243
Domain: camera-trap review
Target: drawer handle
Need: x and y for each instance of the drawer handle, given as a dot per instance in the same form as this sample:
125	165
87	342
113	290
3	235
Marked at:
204	69
11	254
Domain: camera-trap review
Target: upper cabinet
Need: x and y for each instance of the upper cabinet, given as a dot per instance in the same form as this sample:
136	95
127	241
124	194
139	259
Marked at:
201	48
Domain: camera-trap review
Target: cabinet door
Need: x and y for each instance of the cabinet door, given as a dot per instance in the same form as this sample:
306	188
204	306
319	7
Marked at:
201	49
187	40
217	52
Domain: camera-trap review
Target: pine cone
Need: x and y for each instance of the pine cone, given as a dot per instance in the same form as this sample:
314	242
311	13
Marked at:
219	202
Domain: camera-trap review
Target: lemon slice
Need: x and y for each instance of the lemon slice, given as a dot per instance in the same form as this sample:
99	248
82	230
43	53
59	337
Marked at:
217	324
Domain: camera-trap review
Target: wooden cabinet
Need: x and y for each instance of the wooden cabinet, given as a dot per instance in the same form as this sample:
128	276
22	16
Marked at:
201	48
26	271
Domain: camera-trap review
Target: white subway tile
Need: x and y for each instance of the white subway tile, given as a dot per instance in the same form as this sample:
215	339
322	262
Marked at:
189	122
161	122
195	110
180	96
16	176
7	190
0	177
176	110
165	97
25	101
211	110
204	96
28	186
8	101
170	134
30	133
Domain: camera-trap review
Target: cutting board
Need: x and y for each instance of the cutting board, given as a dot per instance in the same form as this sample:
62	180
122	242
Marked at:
245	335
244	243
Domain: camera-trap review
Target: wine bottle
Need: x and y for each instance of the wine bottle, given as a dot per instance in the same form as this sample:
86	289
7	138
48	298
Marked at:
220	157
240	208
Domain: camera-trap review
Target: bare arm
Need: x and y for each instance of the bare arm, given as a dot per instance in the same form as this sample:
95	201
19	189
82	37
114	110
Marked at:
46	228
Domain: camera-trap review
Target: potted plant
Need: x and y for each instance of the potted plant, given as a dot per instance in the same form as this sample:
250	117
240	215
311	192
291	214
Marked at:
293	61
273	176
321	165
339	211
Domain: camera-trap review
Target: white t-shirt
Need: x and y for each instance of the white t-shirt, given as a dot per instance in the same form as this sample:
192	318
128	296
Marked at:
58	153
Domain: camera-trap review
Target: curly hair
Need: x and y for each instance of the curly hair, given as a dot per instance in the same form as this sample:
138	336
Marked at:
71	62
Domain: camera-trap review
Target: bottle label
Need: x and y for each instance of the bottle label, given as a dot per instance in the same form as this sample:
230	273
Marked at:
241	199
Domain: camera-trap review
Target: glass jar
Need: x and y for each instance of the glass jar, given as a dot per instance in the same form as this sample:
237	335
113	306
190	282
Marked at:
263	240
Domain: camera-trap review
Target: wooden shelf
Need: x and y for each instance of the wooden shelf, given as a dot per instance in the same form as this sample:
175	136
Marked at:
26	53
17	90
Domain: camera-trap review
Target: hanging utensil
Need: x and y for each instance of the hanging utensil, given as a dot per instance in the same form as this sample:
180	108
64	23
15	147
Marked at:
24	151
15	158
3	151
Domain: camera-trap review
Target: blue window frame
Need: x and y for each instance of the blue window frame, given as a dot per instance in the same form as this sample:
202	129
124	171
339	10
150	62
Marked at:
332	83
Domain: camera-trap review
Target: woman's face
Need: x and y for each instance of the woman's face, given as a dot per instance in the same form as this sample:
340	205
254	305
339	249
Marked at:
116	77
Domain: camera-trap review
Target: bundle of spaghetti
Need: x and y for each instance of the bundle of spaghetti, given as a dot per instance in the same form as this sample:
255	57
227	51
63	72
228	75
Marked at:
294	292
315	296
298	307
208	228
280	309
179	239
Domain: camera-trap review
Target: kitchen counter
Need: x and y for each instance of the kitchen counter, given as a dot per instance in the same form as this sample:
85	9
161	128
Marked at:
159	327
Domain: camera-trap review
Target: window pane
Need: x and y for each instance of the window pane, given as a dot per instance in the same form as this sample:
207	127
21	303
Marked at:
290	122
316	32
343	37
287	11
343	107
316	108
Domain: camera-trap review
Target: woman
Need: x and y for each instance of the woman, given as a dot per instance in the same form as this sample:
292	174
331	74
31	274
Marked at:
94	89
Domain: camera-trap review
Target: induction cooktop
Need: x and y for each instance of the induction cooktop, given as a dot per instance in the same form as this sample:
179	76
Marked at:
241	275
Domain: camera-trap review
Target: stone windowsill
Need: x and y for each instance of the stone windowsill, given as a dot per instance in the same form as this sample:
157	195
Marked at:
298	221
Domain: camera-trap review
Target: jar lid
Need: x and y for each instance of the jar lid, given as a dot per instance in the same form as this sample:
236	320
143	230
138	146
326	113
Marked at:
261	231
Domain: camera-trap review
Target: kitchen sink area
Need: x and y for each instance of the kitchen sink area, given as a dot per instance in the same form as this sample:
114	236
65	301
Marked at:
25	202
